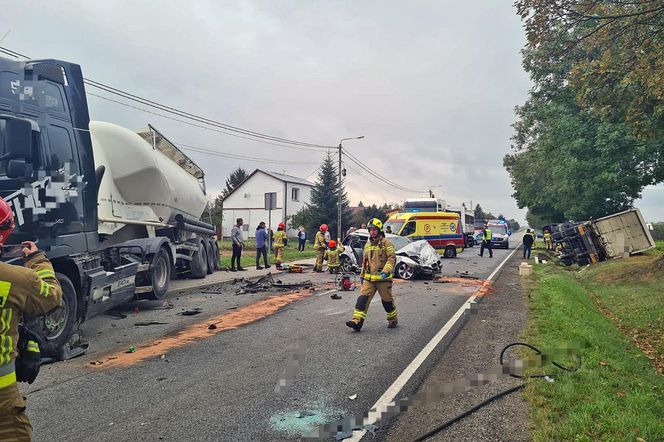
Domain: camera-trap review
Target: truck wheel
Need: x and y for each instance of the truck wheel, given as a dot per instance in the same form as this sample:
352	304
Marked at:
404	271
209	252
450	252
57	327
160	274
198	263
217	255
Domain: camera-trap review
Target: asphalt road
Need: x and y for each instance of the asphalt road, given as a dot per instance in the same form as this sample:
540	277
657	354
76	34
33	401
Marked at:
221	386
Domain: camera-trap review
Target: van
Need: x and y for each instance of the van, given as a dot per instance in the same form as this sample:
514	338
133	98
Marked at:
441	229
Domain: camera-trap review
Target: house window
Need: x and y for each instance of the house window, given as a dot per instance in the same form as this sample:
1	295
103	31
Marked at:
295	194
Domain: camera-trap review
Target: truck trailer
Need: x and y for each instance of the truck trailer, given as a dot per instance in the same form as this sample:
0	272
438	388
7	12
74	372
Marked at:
117	212
613	236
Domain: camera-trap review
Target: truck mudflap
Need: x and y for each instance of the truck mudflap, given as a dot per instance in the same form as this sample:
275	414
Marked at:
110	289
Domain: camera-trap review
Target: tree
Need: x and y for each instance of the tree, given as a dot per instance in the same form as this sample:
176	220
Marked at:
236	177
216	210
479	213
373	211
324	201
360	204
589	137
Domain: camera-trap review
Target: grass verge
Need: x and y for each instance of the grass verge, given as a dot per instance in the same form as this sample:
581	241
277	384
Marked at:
611	310
248	258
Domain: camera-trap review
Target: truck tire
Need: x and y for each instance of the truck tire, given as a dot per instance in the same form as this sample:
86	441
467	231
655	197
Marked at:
57	327
217	255
450	252
209	252
198	263
159	275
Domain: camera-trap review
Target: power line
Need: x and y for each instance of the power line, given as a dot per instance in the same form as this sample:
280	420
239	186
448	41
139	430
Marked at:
165	108
236	156
379	184
196	125
380	177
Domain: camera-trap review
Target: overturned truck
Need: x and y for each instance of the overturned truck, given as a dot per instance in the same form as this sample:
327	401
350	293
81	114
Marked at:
614	236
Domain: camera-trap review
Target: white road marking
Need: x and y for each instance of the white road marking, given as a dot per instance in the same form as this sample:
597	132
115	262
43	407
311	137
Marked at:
387	399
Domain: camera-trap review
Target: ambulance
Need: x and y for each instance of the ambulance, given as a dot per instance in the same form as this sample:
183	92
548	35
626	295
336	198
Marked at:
441	229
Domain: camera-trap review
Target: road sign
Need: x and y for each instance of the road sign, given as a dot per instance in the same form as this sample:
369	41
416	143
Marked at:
270	200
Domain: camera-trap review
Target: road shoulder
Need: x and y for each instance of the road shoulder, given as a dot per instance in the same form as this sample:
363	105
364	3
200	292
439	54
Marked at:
500	320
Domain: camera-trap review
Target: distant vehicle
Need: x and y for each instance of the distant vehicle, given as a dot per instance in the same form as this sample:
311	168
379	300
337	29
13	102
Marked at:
467	223
413	257
441	229
500	233
424	205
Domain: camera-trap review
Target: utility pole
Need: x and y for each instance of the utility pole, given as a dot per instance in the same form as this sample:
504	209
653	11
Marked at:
339	189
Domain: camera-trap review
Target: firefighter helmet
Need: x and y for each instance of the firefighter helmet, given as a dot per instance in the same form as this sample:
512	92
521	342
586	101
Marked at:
6	221
333	244
281	226
323	227
375	222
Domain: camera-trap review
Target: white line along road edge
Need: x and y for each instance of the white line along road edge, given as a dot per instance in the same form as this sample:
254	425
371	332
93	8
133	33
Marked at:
387	399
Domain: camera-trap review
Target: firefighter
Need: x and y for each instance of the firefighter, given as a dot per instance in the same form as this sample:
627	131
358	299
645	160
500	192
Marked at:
319	247
34	290
548	240
378	263
486	241
280	240
528	241
332	255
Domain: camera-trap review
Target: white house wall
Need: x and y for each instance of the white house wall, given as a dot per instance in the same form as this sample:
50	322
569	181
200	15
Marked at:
248	202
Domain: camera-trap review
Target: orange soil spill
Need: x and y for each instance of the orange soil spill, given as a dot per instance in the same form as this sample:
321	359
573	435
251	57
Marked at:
228	321
477	287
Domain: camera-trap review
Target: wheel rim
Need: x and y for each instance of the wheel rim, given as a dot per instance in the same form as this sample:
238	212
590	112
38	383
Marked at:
345	264
53	324
160	272
405	271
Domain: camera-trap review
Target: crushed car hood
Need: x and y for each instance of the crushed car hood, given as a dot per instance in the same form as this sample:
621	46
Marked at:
421	248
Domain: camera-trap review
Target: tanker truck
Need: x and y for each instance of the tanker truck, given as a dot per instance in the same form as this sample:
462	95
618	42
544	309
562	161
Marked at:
117	212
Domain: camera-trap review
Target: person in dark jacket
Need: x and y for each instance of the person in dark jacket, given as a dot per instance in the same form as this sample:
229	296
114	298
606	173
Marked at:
261	245
528	240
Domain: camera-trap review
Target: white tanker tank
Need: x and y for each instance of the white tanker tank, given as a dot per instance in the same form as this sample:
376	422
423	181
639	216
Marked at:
147	180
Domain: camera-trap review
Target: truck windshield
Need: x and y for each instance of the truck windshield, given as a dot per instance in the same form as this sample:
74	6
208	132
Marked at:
501	229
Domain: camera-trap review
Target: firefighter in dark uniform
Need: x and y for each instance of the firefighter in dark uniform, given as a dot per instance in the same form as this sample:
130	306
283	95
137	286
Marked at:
33	290
378	262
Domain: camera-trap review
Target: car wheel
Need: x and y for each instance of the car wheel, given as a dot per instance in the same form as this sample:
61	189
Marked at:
404	271
450	252
346	265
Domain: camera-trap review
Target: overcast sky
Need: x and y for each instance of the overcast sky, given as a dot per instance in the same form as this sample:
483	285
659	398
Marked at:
431	84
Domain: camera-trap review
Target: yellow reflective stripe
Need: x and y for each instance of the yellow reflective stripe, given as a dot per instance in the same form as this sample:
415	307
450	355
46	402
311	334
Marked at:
392	314
370	248
376	278
44	288
359	314
6	343
8	379
32	346
5	286
390	248
46	273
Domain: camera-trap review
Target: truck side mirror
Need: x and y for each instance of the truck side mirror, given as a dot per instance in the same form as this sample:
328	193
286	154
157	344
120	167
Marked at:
16	168
17	141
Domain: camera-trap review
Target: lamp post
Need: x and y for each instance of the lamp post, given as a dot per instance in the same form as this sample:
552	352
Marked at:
339	190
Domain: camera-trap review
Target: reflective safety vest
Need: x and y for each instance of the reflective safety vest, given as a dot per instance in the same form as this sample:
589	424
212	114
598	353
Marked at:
487	234
378	257
32	290
332	255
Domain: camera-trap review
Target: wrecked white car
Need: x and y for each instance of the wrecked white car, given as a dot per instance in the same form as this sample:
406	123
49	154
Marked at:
414	258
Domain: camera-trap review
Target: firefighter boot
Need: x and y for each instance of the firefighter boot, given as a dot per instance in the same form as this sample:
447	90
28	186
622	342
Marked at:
355	324
391	311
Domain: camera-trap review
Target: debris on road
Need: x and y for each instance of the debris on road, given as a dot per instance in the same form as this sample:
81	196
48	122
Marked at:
192	312
336	296
353	397
131	349
267	283
147	323
212	327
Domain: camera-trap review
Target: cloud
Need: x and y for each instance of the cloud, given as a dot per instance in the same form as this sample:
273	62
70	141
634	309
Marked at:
431	85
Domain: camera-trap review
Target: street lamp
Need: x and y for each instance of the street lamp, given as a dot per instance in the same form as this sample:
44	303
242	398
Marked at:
433	187
339	196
